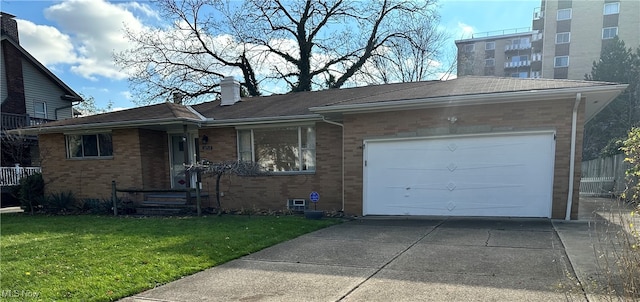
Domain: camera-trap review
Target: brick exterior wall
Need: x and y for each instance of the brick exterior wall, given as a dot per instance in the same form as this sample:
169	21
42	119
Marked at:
272	191
141	158
91	178
15	102
544	115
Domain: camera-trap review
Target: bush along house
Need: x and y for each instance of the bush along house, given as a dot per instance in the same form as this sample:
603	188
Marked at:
473	146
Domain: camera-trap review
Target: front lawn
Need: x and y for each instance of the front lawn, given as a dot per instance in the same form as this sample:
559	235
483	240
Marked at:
95	258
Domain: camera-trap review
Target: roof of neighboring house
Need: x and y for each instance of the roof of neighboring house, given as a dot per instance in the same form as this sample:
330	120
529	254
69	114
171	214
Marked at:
42	68
311	104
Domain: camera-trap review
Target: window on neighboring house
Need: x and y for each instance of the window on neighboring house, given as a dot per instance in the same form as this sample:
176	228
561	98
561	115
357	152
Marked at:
490	46
562	61
612	8
40	109
89	145
469	47
562	38
489	62
609	32
281	149
564	14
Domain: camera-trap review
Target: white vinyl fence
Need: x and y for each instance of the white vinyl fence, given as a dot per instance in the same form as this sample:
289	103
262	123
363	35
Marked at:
10	176
603	176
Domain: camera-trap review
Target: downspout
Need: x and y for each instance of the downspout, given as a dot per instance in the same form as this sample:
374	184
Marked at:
572	164
342	126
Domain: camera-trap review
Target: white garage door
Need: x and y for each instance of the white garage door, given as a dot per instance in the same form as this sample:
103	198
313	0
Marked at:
482	175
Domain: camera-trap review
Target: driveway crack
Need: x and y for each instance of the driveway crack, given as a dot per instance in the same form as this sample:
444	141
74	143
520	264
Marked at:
391	260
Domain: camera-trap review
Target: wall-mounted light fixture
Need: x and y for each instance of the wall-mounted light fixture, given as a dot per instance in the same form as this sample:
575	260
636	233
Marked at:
452	119
205	139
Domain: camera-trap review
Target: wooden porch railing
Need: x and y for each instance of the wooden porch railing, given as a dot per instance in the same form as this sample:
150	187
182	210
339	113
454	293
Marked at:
15	121
10	176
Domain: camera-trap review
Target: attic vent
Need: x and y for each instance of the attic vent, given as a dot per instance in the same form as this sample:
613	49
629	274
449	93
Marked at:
297	204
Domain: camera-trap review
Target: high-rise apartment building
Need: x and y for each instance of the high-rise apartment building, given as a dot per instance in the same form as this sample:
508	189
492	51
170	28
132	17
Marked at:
565	38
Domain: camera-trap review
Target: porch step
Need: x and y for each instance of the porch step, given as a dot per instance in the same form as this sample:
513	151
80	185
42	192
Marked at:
159	210
166	198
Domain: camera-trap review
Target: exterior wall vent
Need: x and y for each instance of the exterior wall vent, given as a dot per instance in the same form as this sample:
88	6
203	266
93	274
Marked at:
297	204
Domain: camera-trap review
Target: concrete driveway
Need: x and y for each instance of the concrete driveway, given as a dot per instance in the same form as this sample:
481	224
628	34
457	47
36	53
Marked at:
455	259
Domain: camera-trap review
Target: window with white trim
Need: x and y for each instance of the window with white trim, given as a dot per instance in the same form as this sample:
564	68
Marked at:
279	149
89	145
609	32
490	46
562	61
612	8
40	109
562	38
489	62
564	14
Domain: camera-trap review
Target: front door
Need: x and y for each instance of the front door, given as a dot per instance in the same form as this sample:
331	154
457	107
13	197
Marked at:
178	148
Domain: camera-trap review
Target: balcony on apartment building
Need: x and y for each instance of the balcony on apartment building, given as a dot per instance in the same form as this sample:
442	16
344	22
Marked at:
512	47
14	121
516	64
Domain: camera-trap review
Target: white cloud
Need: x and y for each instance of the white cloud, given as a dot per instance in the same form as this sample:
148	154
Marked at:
46	43
89	32
465	31
127	95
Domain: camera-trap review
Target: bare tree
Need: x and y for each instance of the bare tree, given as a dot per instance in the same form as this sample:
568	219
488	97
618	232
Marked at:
219	169
308	44
416	58
191	57
16	149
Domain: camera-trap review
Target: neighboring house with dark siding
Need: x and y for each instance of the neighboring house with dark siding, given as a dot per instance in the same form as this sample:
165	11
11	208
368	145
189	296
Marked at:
30	93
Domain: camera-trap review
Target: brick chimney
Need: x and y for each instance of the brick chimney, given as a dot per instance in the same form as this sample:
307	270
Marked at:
15	101
229	91
9	26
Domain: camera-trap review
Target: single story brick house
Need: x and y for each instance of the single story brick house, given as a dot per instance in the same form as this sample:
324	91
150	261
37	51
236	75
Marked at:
473	146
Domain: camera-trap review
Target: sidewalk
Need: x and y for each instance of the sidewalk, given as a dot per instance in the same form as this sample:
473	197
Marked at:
11	210
588	240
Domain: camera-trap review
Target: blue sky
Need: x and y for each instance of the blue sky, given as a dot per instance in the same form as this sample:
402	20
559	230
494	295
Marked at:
75	38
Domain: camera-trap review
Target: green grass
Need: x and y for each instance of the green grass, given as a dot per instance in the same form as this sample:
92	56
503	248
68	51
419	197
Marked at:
95	258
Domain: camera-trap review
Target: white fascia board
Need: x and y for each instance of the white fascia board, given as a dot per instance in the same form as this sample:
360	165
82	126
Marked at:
472	99
263	120
200	116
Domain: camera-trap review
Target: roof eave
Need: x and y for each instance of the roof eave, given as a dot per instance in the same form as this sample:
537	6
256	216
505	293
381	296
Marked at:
263	120
473	99
44	129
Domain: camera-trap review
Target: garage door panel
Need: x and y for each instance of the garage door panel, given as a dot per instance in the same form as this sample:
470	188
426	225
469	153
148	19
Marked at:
473	176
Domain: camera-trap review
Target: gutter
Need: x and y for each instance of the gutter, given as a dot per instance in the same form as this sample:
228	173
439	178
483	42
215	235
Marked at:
572	164
55	129
263	120
342	126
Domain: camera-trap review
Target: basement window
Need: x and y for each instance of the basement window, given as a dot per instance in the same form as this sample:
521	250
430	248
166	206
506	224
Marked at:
279	149
89	145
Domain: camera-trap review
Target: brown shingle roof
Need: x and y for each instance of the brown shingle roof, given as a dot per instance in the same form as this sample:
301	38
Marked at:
294	104
298	104
152	112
